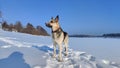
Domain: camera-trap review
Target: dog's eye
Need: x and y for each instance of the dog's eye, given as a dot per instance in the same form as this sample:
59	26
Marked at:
51	21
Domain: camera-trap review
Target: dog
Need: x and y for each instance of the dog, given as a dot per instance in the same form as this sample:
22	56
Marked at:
59	37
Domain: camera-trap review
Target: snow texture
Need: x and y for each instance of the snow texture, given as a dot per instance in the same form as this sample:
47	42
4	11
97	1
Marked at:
18	50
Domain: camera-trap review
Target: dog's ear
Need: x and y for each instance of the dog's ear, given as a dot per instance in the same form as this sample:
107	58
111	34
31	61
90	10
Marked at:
57	18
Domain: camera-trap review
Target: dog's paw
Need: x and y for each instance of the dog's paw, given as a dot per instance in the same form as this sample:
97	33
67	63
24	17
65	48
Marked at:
60	60
66	54
54	56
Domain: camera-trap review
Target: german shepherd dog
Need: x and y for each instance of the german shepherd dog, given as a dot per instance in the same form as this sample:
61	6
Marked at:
59	37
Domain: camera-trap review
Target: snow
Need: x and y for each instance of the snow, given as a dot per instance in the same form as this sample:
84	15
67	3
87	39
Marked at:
18	50
102	48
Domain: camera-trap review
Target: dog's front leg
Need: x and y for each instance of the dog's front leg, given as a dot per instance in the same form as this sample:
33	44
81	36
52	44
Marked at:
54	52
60	53
66	47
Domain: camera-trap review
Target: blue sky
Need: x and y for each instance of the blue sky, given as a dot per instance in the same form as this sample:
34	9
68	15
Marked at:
76	16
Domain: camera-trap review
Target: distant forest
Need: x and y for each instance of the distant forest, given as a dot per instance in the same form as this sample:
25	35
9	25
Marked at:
29	28
110	35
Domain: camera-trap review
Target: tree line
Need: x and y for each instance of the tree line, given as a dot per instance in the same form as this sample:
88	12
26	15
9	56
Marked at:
112	35
29	28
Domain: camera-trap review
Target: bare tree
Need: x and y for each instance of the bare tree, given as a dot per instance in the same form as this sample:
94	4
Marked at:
18	26
29	29
41	31
11	27
5	25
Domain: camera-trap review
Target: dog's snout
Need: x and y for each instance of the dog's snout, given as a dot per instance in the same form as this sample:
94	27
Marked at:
48	25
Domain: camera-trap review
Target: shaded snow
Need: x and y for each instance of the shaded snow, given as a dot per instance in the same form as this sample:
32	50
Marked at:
15	60
30	51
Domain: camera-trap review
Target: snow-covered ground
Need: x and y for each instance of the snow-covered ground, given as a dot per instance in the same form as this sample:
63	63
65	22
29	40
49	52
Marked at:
101	48
18	50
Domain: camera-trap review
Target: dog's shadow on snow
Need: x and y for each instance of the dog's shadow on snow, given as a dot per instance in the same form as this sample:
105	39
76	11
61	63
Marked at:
15	60
46	48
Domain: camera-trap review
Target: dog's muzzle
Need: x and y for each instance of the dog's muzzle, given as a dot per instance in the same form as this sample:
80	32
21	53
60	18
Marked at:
48	25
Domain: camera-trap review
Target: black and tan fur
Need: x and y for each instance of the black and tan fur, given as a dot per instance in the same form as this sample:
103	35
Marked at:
59	37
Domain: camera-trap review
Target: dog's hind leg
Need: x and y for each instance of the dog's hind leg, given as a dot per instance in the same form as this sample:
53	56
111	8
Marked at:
66	45
66	49
54	51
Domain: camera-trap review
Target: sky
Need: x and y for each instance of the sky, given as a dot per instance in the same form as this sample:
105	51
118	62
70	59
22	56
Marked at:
93	17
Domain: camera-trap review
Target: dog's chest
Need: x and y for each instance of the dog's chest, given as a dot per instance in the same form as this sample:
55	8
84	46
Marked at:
57	35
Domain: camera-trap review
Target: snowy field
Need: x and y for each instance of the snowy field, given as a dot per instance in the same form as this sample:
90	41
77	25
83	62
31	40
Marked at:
101	48
19	50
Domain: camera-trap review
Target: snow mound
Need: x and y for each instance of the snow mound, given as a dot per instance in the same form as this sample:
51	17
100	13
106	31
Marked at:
75	59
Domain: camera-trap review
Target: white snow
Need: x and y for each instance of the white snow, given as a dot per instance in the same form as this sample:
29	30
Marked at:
102	48
29	51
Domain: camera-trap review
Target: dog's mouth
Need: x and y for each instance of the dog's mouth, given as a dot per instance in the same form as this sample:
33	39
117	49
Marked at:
48	25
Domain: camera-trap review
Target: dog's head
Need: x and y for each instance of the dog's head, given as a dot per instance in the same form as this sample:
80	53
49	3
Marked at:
53	23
